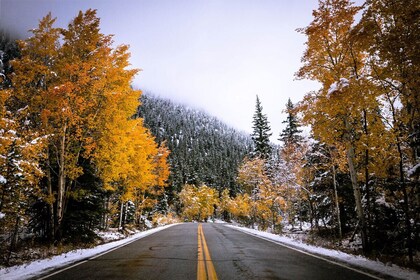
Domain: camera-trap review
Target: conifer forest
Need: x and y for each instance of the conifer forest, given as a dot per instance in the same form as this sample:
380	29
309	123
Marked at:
82	150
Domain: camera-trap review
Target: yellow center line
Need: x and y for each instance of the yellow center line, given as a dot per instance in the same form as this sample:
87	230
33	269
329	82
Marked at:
201	270
205	267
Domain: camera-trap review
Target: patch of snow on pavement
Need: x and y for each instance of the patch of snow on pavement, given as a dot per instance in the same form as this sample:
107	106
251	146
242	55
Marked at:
394	270
35	268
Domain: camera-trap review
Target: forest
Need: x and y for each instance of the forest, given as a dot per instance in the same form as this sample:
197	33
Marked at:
82	151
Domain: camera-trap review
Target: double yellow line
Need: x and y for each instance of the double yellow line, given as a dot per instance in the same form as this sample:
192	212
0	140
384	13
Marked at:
205	268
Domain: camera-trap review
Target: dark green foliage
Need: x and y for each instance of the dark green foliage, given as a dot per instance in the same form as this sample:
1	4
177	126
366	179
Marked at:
85	208
291	134
203	149
261	132
8	51
322	200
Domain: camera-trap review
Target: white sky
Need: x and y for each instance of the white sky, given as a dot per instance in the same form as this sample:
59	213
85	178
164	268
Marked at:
216	55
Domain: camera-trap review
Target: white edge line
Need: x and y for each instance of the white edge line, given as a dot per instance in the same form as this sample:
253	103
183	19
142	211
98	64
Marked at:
61	270
103	253
307	253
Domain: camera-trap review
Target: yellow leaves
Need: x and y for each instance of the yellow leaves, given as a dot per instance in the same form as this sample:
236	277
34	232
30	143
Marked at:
161	170
262	201
198	202
127	156
78	91
251	174
21	149
240	206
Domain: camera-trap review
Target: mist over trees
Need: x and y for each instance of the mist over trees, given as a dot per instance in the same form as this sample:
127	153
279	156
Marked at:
203	149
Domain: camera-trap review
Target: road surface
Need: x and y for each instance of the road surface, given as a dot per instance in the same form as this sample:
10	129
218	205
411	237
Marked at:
205	251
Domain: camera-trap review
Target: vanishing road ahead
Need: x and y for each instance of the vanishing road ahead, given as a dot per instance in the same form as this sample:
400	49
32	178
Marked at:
205	251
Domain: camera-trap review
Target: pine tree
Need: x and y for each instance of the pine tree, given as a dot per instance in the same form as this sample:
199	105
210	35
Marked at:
8	51
291	133
261	134
203	149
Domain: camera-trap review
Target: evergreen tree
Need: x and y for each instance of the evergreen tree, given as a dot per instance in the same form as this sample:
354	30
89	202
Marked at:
261	134
291	133
203	150
8	51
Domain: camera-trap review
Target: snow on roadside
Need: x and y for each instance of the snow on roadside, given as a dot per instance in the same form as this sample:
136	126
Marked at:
394	270
35	268
216	221
110	235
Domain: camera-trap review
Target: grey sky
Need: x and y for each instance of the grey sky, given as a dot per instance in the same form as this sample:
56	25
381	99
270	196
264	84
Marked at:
216	55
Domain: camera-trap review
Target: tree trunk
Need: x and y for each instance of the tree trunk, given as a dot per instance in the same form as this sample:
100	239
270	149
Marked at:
13	240
311	211
50	222
337	205
61	185
367	174
405	203
104	223
357	197
356	189
120	224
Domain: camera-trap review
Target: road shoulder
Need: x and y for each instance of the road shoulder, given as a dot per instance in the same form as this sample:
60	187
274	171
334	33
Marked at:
361	264
69	259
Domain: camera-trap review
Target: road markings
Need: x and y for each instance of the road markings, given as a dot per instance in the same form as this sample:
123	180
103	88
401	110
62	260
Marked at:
205	267
310	254
82	261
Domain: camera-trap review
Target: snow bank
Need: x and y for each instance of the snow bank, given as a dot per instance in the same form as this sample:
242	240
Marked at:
2	180
110	235
359	261
35	268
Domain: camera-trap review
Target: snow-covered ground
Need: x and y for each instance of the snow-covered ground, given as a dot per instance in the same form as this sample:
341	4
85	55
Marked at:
330	255
41	266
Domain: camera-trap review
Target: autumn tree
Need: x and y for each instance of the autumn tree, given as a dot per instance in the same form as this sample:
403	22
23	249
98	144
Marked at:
77	87
238	207
337	63
35	76
198	202
390	37
20	154
270	205
251	174
265	203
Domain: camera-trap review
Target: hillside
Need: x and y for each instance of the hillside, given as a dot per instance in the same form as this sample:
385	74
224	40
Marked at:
203	149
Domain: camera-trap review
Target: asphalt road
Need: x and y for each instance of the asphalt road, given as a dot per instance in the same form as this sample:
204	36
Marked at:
213	252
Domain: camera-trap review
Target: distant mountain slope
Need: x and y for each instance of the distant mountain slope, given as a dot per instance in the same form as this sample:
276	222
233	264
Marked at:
203	149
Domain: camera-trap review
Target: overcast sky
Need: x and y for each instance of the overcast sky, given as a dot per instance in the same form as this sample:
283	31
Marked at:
215	55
